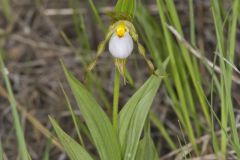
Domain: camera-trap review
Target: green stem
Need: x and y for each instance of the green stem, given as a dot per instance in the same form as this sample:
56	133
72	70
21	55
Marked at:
115	99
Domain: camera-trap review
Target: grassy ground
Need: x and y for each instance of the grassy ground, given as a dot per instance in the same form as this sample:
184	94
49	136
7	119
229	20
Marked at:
195	113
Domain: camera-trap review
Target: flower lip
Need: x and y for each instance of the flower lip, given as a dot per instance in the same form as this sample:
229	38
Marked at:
121	47
121	29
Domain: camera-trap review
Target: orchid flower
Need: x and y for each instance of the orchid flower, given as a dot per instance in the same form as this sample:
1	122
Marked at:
120	36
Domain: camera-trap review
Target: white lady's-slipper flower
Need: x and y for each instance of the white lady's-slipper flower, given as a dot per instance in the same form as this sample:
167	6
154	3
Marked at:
120	36
121	43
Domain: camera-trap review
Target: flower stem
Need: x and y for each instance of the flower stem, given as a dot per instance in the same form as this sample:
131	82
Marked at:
115	99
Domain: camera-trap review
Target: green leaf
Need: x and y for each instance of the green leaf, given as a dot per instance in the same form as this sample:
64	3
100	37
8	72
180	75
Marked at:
133	115
97	121
125	7
146	148
74	150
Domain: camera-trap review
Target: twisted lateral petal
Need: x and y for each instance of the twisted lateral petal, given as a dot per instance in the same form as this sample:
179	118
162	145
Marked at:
121	47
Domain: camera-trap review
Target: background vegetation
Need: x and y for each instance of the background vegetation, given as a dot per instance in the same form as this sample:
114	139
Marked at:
194	115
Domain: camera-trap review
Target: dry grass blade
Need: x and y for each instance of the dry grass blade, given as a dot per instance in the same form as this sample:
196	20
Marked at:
41	45
214	156
102	10
206	157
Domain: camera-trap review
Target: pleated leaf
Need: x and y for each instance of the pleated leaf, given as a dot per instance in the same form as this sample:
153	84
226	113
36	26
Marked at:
74	150
97	121
133	115
146	150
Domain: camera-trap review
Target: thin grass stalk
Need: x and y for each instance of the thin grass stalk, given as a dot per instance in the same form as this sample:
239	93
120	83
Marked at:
232	45
97	16
73	115
193	33
216	82
192	23
155	120
16	119
79	25
47	149
220	44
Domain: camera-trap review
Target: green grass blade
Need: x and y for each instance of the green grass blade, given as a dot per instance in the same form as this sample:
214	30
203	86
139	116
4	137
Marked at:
96	14
16	119
176	74
192	69
192	23
125	7
219	29
97	121
232	45
149	32
79	26
74	150
162	130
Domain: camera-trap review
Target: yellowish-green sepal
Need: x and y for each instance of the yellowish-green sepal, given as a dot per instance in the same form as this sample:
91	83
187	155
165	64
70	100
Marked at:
121	65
